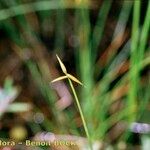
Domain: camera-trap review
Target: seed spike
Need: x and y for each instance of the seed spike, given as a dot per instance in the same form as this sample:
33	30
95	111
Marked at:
62	65
74	78
59	78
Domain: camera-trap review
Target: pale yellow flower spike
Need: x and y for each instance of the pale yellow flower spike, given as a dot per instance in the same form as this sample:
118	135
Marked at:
74	79
58	79
62	65
67	75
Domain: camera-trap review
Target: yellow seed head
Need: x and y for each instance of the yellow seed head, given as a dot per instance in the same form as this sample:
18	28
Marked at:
59	78
62	65
74	79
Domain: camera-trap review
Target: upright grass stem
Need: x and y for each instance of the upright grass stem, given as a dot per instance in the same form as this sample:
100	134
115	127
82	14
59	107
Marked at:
81	113
134	67
71	77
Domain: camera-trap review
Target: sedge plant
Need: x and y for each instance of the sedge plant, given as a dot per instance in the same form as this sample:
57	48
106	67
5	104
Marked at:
70	79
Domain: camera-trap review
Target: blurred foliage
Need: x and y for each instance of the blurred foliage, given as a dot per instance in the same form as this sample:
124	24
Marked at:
104	43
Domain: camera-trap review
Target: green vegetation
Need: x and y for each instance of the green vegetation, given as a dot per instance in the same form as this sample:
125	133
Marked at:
103	43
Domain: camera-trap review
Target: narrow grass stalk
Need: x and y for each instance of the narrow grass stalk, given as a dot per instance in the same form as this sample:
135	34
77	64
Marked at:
81	112
36	6
99	26
134	75
84	57
71	77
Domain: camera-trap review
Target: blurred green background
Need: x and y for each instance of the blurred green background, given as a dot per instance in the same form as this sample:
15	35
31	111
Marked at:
104	43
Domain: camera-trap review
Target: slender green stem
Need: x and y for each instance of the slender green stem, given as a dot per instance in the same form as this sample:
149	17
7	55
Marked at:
81	113
134	66
36	6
